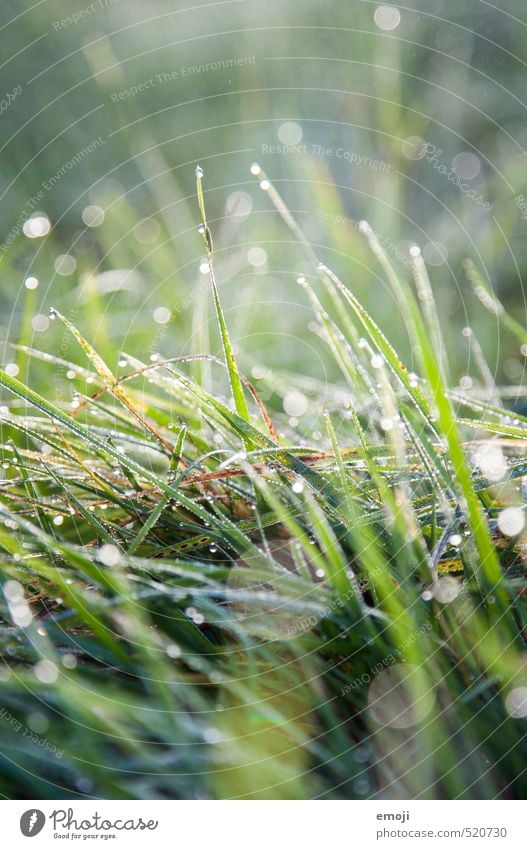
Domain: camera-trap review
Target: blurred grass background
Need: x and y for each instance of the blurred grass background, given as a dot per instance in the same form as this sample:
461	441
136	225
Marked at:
370	83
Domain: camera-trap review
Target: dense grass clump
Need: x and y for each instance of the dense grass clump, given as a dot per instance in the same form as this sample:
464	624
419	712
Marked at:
198	600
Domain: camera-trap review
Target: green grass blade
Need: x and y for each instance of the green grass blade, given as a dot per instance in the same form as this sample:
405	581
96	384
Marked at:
230	359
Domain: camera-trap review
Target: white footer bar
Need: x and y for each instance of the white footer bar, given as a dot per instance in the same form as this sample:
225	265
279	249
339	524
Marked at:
262	824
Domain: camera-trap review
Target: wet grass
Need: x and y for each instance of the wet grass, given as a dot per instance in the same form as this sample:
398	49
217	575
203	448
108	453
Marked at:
201	598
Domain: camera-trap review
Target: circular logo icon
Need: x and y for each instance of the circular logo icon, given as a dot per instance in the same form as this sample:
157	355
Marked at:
32	822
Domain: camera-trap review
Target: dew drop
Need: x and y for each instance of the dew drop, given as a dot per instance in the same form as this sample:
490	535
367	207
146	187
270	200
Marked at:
511	521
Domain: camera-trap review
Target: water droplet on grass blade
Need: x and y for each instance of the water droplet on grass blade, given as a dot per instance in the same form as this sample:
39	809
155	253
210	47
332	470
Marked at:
446	590
109	555
427	595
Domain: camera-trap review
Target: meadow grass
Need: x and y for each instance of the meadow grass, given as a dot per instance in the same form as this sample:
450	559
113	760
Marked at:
198	601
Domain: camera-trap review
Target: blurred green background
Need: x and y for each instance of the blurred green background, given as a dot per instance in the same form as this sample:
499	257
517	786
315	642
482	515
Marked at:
408	116
106	113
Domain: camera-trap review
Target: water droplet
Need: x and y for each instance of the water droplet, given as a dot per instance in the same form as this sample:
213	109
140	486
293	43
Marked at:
511	521
37	226
109	555
65	264
46	671
446	590
173	650
427	595
387	17
516	703
257	257
295	403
